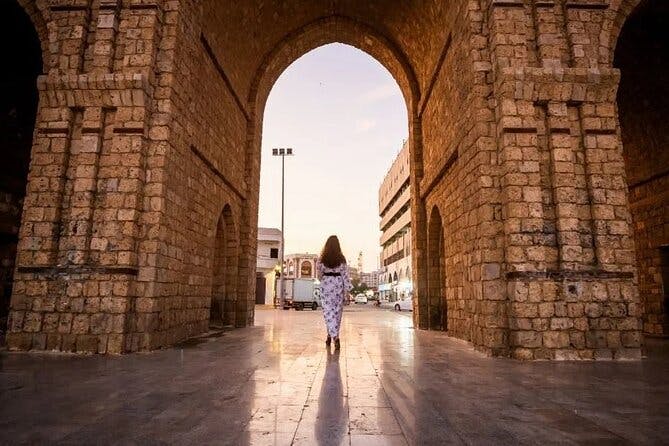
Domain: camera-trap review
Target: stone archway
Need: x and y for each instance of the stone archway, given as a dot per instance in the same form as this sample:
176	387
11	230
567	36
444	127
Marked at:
342	29
643	107
223	307
167	99
21	49
435	302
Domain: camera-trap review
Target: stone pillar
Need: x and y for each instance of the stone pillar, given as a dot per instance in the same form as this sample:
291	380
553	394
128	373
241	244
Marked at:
418	229
79	258
569	254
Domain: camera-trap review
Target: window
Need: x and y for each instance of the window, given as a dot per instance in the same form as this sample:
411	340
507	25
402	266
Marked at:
274	253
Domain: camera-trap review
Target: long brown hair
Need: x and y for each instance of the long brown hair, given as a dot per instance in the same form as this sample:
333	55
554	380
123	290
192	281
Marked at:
331	255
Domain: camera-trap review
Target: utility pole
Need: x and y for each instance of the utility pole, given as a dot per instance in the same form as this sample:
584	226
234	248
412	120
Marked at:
282	152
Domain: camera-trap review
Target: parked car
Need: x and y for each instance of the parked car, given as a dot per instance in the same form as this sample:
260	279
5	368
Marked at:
360	299
405	304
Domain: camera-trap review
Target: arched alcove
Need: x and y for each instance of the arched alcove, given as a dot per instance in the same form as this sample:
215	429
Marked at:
224	277
436	306
642	55
22	53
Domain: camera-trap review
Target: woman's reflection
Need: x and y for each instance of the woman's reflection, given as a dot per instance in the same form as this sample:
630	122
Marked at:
332	421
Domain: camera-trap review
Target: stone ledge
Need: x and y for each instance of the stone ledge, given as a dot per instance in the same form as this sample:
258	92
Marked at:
78	270
569	275
93	81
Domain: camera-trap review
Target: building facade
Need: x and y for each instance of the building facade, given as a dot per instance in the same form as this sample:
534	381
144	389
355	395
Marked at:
371	279
395	211
537	155
300	266
267	265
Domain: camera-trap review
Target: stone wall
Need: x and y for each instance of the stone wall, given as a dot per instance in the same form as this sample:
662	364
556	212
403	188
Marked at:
149	133
569	251
90	216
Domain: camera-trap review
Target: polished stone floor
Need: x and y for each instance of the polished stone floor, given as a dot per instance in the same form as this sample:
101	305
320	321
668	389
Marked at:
275	384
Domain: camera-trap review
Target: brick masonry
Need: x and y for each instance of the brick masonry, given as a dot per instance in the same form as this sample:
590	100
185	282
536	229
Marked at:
141	210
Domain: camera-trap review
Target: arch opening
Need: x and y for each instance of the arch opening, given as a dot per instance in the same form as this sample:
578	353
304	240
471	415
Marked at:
435	316
21	49
340	30
223	305
641	55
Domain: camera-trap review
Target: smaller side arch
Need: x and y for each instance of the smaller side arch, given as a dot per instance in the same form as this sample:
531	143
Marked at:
224	299
642	102
22	48
436	306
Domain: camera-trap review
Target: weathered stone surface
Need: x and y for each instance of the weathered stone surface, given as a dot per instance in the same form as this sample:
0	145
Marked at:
141	209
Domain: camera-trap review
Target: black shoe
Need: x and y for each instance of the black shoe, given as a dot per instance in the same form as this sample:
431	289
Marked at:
328	341
337	346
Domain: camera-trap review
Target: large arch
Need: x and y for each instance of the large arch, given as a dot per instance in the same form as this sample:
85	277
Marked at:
643	108
20	44
332	29
338	28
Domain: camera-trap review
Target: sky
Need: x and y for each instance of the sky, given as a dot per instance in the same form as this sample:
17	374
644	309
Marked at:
345	118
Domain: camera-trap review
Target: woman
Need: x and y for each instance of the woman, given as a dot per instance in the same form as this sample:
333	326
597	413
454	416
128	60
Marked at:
335	285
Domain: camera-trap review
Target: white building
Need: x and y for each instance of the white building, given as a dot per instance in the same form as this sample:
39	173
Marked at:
267	264
395	212
300	265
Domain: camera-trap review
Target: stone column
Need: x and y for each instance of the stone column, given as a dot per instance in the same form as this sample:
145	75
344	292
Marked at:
79	258
569	263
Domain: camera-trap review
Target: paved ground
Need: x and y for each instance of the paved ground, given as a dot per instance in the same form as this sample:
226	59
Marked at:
276	384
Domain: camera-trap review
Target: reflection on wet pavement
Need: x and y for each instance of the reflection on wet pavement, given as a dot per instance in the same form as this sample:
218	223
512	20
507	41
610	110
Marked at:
277	384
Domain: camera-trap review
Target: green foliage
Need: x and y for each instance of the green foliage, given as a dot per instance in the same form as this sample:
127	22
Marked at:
359	287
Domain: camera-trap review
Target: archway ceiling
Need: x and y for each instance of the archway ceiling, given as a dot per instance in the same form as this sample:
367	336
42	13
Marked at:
242	36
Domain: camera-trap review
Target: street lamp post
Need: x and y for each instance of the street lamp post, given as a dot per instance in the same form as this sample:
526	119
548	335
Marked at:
282	152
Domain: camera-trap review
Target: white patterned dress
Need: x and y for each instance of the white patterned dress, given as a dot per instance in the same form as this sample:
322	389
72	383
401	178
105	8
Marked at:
334	289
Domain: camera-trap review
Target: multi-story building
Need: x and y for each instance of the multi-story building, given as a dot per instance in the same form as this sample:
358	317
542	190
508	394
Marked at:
370	279
300	265
395	212
267	264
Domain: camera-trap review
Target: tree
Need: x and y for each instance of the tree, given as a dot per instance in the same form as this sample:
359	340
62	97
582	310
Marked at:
359	287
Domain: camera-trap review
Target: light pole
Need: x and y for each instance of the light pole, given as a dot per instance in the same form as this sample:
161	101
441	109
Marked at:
283	153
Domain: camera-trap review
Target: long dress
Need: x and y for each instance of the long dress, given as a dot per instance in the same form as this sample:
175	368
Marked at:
333	291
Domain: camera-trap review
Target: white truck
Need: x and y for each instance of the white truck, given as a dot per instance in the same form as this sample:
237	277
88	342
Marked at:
301	294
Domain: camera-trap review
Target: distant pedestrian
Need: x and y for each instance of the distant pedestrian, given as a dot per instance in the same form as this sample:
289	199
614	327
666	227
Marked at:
335	285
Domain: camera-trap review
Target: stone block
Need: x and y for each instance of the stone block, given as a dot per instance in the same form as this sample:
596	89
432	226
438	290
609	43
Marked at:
86	344
81	324
525	339
522	353
19	341
603	354
567	355
627	354
556	339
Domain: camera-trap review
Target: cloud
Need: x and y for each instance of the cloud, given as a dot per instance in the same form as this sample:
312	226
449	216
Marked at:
380	92
364	125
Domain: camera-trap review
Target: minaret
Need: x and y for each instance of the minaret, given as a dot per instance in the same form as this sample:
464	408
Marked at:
360	262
